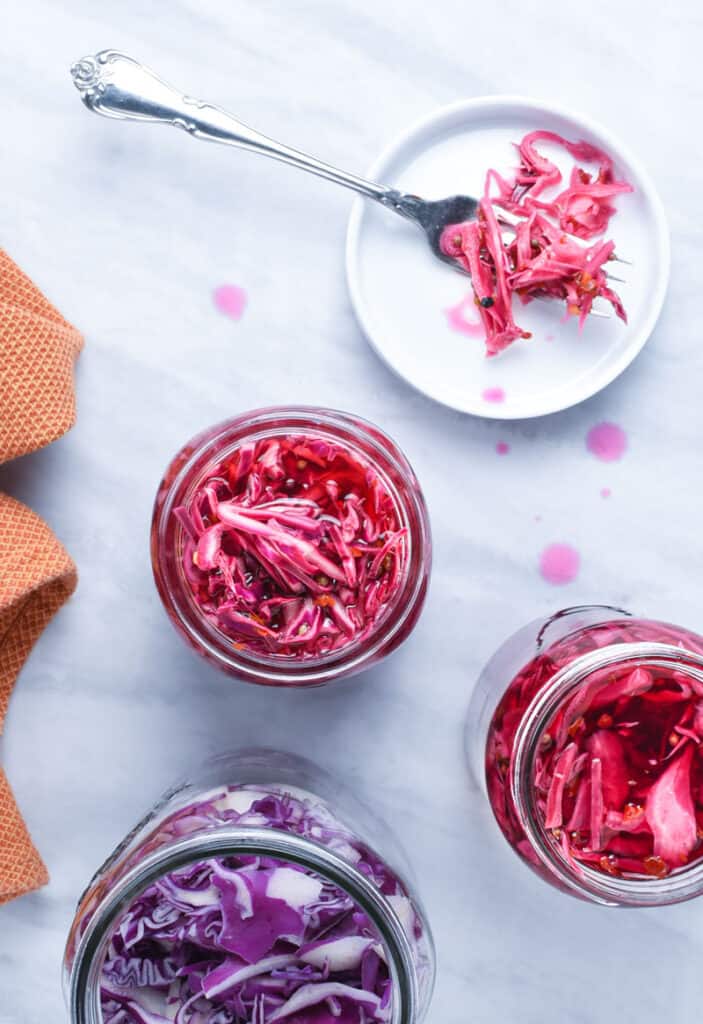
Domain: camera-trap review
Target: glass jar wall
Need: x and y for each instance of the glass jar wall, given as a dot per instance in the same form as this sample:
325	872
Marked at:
586	730
291	546
261	889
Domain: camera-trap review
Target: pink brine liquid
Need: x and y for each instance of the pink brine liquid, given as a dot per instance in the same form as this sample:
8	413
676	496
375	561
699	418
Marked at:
607	441
559	563
459	321
616	783
493	395
231	300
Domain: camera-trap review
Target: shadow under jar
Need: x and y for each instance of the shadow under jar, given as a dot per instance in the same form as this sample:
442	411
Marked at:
252	894
586	730
291	546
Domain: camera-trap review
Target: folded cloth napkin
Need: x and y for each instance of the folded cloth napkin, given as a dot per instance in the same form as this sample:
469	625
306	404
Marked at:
37	352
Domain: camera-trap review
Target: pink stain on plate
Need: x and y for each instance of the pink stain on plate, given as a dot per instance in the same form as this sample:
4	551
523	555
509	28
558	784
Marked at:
559	564
230	299
607	441
605	492
502	448
458	321
493	395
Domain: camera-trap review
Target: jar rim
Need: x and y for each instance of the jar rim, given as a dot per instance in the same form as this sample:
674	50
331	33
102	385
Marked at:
410	504
608	890
84	979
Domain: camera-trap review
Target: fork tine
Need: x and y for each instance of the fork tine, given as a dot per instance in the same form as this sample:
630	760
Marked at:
610	277
600	313
510	222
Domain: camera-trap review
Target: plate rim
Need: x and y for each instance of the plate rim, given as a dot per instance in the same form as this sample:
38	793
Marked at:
473	105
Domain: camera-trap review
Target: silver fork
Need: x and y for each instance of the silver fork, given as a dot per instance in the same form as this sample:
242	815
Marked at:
115	85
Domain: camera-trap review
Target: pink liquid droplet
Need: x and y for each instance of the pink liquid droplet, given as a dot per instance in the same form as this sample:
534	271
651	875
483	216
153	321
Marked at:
549	337
607	441
493	395
605	492
230	300
559	563
502	448
458	321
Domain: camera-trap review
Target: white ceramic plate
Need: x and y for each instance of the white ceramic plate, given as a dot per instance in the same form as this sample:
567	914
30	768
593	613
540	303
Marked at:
400	292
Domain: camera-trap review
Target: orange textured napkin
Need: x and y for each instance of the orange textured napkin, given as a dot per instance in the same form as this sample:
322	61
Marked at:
37	351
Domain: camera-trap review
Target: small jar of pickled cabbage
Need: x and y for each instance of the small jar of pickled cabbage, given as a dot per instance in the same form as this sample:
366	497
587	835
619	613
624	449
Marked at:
261	891
291	546
587	731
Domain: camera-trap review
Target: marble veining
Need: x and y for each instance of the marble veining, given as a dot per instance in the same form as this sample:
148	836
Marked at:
129	229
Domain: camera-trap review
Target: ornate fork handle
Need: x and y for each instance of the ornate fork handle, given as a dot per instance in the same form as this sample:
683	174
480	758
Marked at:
115	85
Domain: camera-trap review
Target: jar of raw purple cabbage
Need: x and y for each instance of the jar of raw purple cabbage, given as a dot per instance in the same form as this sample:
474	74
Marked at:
587	730
291	546
253	894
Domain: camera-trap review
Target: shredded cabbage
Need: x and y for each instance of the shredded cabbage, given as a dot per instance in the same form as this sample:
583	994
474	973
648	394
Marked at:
618	778
543	259
293	546
253	940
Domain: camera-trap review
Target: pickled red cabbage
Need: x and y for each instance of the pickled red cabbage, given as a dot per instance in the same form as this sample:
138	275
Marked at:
253	940
542	259
618	776
293	546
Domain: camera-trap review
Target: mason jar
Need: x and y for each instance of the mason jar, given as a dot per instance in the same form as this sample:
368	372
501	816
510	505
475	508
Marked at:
585	731
257	889
291	546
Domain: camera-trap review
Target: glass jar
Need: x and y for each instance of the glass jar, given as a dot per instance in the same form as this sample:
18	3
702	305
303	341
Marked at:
353	625
269	812
572	723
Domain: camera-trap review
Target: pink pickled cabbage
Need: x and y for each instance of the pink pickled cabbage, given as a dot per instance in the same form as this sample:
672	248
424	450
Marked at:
543	259
293	546
618	777
253	940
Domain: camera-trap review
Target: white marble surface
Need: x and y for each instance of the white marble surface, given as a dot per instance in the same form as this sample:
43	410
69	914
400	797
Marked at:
128	229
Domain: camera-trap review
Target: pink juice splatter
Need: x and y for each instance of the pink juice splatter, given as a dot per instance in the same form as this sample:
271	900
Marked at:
230	299
458	321
607	441
502	448
559	564
605	492
493	395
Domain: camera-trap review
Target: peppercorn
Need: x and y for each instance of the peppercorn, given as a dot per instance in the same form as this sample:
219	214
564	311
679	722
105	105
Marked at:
488	301
655	866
